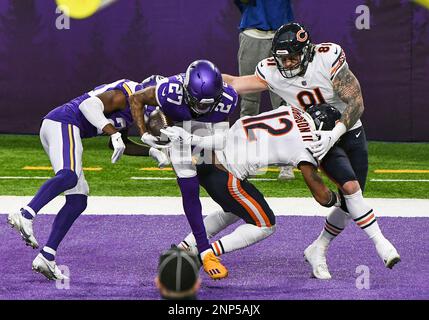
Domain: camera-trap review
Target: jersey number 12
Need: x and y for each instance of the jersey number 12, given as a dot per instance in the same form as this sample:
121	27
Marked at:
255	123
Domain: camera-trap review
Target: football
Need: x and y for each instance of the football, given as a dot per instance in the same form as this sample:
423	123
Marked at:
157	120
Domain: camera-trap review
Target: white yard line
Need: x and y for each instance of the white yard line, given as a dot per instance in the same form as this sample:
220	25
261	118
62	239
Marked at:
400	180
173	178
173	206
27	178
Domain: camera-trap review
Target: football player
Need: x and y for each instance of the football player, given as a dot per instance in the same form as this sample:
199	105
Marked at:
278	137
304	74
198	98
104	110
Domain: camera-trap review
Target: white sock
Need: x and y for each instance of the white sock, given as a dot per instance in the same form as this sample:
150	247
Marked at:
363	215
244	236
335	223
214	223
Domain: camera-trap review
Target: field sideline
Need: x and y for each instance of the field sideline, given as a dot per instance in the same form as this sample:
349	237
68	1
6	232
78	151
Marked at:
397	170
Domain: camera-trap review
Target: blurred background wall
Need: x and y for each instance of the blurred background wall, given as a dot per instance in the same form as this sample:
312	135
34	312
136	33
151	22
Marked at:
42	67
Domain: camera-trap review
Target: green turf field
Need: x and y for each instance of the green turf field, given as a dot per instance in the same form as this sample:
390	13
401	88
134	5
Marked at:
19	151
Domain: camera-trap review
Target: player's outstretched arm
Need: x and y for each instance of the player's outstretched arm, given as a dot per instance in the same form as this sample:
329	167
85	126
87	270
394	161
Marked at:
137	102
347	86
245	84
323	195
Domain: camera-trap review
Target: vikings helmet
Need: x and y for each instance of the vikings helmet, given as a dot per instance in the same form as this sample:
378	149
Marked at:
203	87
290	40
324	113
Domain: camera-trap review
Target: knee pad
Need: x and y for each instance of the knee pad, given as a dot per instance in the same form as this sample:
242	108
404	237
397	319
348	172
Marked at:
80	188
69	177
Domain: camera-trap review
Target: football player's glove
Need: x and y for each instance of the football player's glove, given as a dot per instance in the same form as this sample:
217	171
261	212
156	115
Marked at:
118	146
160	157
326	140
153	141
177	134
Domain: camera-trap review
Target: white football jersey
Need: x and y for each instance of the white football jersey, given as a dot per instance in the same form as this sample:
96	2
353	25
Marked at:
278	137
316	86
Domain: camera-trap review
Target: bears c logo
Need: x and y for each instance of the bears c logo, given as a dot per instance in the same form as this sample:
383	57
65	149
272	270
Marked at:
301	35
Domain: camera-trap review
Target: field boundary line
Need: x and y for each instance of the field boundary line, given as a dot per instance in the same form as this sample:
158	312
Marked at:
101	205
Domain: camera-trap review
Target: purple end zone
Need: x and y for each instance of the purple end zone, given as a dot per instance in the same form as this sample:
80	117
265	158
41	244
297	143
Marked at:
115	257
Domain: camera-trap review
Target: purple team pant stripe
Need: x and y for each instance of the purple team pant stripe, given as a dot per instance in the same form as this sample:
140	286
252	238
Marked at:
66	146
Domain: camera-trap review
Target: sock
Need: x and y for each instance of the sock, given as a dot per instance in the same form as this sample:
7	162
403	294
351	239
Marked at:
48	253
363	215
244	236
74	206
214	223
218	248
64	179
28	213
190	190
335	223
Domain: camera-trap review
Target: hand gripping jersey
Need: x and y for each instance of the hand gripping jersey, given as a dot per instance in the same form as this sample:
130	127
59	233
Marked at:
70	113
316	86
278	137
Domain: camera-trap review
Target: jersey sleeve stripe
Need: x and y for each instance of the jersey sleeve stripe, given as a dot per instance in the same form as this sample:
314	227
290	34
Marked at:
339	65
338	58
259	73
127	89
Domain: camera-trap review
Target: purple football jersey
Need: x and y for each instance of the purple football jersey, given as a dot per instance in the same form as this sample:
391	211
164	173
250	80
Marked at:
149	82
70	112
169	94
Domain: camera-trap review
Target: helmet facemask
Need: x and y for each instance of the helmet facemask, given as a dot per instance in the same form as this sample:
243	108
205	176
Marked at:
200	107
299	68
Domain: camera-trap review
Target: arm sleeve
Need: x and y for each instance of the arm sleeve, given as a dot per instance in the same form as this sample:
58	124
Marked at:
92	109
333	60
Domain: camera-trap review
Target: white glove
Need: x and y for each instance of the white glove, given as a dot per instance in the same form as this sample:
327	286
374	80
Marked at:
160	157
118	146
326	140
177	134
152	141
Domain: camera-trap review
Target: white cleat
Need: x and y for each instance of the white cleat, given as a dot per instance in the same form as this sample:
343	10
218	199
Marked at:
315	255
24	227
388	253
286	173
48	268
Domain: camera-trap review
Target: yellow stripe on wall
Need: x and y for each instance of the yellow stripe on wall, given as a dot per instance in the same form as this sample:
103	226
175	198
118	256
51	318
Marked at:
424	3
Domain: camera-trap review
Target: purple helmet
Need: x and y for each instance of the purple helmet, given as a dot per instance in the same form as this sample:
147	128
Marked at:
203	86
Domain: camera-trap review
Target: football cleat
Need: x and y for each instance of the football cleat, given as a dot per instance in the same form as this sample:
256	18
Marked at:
286	173
24	227
213	267
388	253
315	255
48	268
188	248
